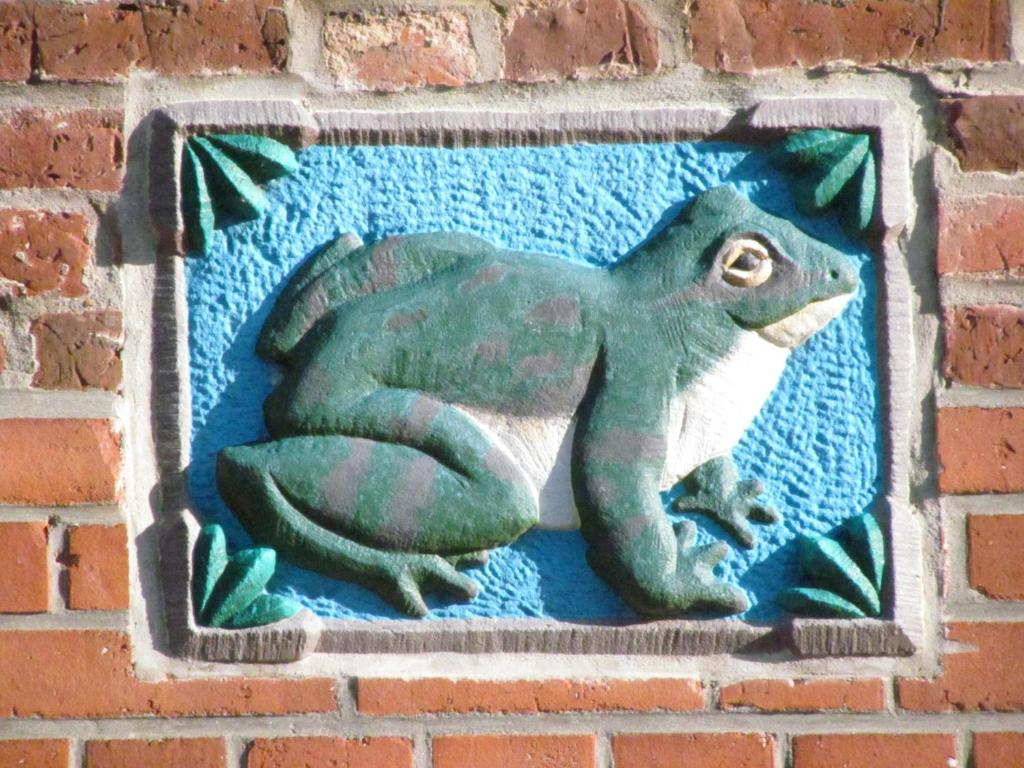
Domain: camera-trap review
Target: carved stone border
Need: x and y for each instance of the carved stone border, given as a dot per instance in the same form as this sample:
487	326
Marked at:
898	634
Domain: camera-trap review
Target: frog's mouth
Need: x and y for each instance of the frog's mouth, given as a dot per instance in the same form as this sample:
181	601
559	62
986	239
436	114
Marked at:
794	330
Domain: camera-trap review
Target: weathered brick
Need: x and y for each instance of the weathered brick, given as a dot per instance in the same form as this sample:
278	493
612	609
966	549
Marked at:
997	750
707	750
326	751
58	461
24	568
78	351
987	675
871	750
984	234
985	345
996	568
43	251
134	753
35	753
15	41
192	37
97	562
276	32
88	674
79	41
390	696
987	132
514	751
558	39
391	52
747	35
804	695
981	450
3	355
49	149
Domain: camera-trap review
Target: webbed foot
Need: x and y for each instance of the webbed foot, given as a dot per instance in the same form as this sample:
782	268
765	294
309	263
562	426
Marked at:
405	579
695	582
716	489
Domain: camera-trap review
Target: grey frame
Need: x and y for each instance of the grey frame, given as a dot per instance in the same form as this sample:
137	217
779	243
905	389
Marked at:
899	634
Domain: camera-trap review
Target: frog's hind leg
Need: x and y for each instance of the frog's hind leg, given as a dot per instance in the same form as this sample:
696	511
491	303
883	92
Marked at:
403	491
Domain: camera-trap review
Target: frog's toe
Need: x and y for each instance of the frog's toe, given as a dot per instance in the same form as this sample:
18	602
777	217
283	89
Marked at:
761	513
749	489
442	575
405	595
720	596
433	573
741	530
469	559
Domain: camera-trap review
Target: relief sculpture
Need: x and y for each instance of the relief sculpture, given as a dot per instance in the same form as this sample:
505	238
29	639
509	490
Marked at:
442	396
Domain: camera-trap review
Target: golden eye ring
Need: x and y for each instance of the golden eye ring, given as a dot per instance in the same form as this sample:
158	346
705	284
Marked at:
747	263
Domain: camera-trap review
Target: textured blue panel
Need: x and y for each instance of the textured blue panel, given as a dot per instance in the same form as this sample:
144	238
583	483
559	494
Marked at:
816	445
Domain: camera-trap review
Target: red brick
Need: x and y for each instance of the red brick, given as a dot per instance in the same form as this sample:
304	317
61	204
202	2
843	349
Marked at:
391	52
804	695
98	41
24	568
870	750
15	41
97	559
559	39
986	676
987	132
136	753
48	149
997	750
88	674
34	753
747	35
514	751
389	696
980	450
995	566
78	351
59	461
683	750
983	234
192	37
327	752
985	346
44	251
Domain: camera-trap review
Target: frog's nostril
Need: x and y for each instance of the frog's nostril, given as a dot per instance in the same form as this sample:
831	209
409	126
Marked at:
834	274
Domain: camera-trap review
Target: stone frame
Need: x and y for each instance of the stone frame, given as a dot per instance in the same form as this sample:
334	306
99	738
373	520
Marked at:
899	633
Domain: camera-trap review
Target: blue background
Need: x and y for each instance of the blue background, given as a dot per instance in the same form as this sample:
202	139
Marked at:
816	444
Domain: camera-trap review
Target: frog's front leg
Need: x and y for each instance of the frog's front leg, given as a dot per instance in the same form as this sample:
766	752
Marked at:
619	453
715	488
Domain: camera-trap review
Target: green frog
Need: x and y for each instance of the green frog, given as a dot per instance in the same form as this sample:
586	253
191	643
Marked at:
441	396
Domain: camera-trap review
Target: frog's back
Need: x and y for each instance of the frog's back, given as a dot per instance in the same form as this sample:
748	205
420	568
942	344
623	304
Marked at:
346	271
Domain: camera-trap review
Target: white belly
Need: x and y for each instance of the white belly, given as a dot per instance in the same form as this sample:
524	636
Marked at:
710	417
706	420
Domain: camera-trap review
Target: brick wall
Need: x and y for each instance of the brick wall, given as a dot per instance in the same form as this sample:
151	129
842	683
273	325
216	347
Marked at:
78	78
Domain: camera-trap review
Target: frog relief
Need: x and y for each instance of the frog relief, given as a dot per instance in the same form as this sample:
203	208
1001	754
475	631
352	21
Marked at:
441	396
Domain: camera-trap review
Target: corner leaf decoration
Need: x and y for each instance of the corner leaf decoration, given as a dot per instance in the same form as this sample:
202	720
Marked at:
836	169
845	574
220	178
228	590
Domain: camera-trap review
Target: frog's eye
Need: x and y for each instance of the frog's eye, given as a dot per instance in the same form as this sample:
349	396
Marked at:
746	263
